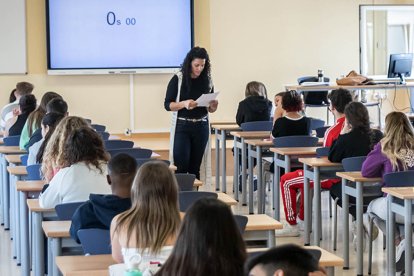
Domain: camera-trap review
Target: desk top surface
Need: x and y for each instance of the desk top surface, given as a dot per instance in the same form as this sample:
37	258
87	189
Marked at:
30	185
259	142
250	134
34	206
318	162
225	126
333	86
226	199
295	151
17	170
357	177
87	264
13	158
400	192
11	149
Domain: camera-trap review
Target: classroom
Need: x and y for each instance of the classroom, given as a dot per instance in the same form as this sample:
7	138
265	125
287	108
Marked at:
273	42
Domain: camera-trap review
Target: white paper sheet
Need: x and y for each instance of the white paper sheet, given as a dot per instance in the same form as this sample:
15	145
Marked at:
205	99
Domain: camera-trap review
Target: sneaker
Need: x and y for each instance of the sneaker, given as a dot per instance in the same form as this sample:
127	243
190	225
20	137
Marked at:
365	221
301	224
400	256
364	237
288	230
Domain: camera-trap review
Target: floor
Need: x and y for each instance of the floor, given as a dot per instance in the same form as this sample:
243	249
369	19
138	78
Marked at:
8	265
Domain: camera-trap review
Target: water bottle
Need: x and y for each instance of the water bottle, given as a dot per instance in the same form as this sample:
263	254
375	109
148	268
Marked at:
133	266
320	76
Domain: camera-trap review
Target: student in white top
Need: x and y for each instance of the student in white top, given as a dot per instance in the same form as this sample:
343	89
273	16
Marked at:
12	109
150	227
83	170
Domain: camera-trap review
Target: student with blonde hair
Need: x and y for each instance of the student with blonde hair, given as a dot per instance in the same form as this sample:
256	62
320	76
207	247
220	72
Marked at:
53	154
392	154
150	227
82	162
255	106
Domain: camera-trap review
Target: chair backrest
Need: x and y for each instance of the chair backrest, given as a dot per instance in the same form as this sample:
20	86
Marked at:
186	199
65	211
33	172
241	222
353	164
185	181
316	123
257	126
11	140
104	135
98	127
399	179
314	97
324	151
118	144
141	161
95	241
320	131
134	152
23	159
295	141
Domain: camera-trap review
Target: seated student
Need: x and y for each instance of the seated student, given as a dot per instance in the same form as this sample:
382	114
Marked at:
12	109
284	260
149	228
49	123
256	106
278	111
392	154
82	164
14	126
56	105
209	243
52	155
35	118
99	210
292	182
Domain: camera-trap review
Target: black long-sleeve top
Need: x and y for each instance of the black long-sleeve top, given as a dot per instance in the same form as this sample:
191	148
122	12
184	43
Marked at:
198	87
290	127
253	108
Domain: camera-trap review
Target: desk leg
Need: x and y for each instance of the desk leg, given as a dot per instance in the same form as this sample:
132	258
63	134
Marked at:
217	135
39	251
317	205
307	205
360	230
243	172
408	229
6	195
1	192
391	267
56	248
276	187
345	213
271	241
251	175
24	235
261	186
14	216
223	162
236	170
330	270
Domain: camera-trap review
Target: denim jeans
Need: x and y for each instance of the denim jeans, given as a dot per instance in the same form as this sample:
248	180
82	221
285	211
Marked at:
189	145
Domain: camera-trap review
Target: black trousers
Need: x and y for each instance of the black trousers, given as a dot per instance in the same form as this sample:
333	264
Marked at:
190	141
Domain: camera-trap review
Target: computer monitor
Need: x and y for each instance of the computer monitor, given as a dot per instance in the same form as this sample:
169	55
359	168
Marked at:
400	66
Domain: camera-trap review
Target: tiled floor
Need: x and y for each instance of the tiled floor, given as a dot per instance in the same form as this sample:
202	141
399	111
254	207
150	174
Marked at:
8	265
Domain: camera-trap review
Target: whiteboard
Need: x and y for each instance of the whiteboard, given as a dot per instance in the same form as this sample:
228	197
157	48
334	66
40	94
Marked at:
13	58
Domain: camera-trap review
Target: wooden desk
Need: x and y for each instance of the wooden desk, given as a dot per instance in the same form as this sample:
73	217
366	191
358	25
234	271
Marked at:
220	131
407	195
312	167
282	158
226	199
17	170
13	158
85	265
239	144
356	192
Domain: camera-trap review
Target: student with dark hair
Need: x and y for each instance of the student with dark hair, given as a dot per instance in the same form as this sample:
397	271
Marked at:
35	118
49	123
284	260
278	111
82	164
12	109
57	105
255	106
190	127
14	126
99	210
209	243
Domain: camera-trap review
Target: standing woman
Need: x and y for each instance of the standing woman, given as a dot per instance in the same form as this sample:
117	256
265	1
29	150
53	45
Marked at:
190	127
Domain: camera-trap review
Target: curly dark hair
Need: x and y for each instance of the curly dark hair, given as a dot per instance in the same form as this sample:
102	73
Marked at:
196	52
292	101
340	98
84	145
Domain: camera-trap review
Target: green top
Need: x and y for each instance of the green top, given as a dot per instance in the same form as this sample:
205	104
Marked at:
24	136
